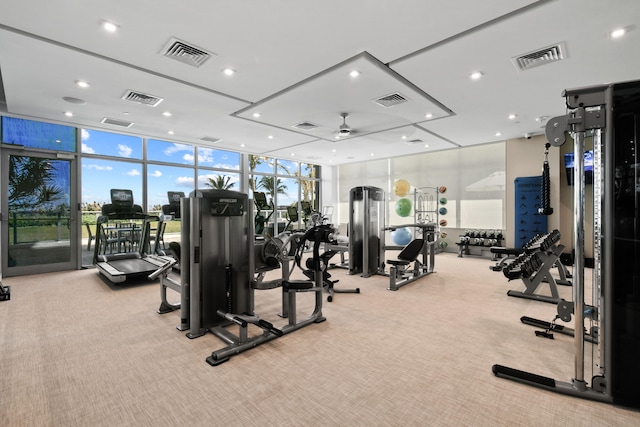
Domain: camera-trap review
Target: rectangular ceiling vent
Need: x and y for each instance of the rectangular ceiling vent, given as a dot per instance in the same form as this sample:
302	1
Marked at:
414	141
141	98
305	126
210	139
391	100
540	57
116	122
184	52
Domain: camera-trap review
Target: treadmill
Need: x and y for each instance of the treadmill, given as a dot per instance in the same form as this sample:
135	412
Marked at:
122	266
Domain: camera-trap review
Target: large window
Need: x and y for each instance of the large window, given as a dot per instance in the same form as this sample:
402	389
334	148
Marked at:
111	144
99	176
170	152
218	159
286	184
162	179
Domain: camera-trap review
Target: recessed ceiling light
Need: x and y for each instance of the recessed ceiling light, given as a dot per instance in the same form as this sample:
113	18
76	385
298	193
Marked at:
166	114
354	73
68	113
512	116
170	132
476	75
228	72
428	115
372	154
617	33
498	133
270	137
242	145
83	84
126	113
109	26
426	145
256	115
293	154
404	136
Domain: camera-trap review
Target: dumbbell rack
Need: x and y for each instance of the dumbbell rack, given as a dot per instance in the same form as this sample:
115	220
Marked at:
478	238
533	268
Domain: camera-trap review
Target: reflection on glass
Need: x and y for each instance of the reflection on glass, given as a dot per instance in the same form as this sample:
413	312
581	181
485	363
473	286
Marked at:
32	134
39	211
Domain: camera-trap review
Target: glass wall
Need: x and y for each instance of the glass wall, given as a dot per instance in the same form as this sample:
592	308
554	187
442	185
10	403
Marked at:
285	184
151	168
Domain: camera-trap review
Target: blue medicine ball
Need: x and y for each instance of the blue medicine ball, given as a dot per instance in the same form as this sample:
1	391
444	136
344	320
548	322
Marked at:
401	236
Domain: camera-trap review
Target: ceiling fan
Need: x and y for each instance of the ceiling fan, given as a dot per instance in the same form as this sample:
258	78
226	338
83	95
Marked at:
344	130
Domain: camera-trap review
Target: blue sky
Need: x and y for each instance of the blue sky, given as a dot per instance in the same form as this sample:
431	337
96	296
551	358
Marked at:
99	175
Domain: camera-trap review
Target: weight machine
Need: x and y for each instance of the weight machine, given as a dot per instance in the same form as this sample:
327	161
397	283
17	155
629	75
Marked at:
218	279
366	239
611	115
423	247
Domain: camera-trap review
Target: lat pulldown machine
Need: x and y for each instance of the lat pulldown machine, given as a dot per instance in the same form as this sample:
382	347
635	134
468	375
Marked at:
611	115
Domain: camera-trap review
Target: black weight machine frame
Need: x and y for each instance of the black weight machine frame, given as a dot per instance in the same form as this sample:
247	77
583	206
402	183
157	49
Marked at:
191	309
591	110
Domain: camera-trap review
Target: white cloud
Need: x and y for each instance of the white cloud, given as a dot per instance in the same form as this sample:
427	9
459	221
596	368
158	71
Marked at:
175	148
124	150
185	181
87	149
98	167
85	134
133	172
156	174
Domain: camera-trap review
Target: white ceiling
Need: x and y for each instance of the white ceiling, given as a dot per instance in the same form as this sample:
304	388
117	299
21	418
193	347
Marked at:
292	62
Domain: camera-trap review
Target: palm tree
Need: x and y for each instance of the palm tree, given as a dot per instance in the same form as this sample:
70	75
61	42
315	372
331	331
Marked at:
31	182
220	182
272	185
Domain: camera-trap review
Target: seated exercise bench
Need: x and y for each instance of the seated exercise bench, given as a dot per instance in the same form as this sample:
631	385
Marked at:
398	273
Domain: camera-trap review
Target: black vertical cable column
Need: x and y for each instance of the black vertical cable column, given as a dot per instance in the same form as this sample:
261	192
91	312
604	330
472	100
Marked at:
546	208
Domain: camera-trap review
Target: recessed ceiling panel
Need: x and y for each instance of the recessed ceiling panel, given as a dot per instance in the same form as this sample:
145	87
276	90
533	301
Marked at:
375	99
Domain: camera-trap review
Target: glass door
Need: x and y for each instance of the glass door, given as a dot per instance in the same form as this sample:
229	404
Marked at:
39	227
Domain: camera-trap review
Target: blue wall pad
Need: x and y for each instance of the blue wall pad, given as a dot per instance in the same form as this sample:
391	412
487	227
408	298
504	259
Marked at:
528	222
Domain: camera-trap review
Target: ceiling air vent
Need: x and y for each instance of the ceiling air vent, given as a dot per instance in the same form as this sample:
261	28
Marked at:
116	122
305	126
141	98
210	139
540	57
184	52
390	100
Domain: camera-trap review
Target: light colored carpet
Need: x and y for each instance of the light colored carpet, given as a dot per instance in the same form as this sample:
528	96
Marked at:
76	351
